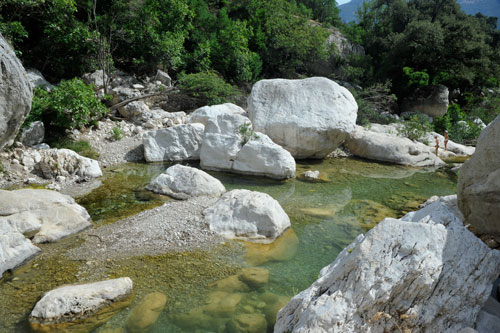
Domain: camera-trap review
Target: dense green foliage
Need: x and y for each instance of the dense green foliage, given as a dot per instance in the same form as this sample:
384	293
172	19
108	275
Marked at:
209	86
71	104
416	127
242	40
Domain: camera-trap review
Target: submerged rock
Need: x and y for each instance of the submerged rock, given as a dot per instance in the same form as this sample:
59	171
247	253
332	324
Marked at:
67	306
145	315
479	184
310	118
229	144
247	323
411	274
247	215
390	148
282	249
183	182
49	215
65	162
254	277
176	143
15	94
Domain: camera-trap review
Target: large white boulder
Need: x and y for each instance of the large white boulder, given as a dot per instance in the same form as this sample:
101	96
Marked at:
37	80
33	134
230	144
66	162
310	118
15	94
183	182
74	302
425	273
49	215
201	115
176	143
247	215
479	184
390	148
14	247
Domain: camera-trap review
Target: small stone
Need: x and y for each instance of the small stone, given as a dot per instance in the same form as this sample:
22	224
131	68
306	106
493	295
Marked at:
254	277
248	323
137	86
145	315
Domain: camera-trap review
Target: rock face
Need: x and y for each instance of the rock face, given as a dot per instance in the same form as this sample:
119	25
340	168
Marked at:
163	78
432	101
183	182
411	273
71	303
14	247
479	184
33	135
49	215
310	118
390	148
15	94
37	80
203	114
229	144
65	162
247	215
98	78
176	143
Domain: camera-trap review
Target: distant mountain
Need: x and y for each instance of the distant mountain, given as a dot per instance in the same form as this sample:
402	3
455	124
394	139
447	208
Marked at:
485	7
348	10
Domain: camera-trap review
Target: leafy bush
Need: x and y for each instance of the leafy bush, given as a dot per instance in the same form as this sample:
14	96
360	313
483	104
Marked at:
116	133
416	127
82	147
208	86
246	132
461	127
372	102
71	104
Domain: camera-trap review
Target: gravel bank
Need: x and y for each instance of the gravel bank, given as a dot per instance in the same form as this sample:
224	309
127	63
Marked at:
175	226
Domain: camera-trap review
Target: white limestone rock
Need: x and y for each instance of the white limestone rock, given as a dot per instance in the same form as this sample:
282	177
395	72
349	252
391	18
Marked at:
390	148
488	320
97	78
33	134
48	215
15	94
183	182
310	118
229	144
133	110
479	184
14	247
37	80
413	274
65	162
163	78
203	114
176	143
247	215
69	303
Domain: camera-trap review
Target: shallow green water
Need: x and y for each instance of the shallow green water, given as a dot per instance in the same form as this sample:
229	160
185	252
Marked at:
325	217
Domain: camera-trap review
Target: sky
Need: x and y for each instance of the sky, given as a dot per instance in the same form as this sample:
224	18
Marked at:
341	2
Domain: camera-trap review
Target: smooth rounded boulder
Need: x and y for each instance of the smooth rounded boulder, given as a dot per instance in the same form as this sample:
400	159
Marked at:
183	182
310	118
203	114
15	94
247	215
48	215
176	143
479	184
391	148
67	306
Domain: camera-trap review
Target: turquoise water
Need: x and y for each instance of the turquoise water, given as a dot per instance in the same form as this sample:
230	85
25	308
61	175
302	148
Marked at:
326	216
